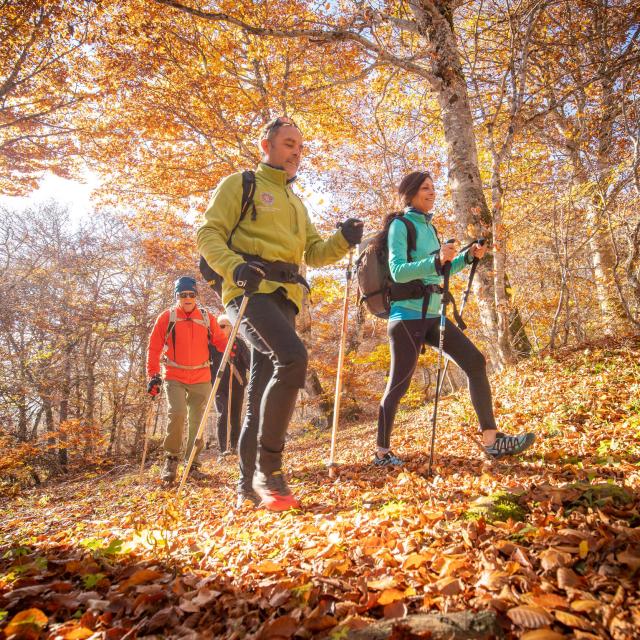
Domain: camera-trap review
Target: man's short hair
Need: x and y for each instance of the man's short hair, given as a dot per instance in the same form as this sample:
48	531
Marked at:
271	128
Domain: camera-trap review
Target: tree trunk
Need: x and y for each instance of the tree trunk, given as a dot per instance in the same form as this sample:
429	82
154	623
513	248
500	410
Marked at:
470	206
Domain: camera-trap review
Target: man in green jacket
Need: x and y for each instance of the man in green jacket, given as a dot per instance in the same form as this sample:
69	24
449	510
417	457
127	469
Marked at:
260	257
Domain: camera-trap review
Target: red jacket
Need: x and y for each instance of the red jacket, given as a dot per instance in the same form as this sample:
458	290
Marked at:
191	348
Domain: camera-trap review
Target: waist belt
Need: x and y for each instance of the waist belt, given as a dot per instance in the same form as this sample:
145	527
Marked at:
418	290
175	365
413	290
279	271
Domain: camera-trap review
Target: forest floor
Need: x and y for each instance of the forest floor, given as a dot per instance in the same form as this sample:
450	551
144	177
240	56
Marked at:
549	541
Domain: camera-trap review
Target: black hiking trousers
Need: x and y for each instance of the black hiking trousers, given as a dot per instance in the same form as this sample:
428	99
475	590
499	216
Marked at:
406	338
278	370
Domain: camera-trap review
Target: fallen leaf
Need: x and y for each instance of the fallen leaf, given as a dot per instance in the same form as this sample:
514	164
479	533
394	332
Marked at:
320	623
630	559
268	566
397	609
548	601
449	586
542	634
529	616
585	605
140	577
27	624
415	561
551	559
390	595
388	582
282	627
573	621
567	578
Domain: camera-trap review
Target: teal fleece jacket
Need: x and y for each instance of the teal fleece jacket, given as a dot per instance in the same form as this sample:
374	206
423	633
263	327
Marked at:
424	265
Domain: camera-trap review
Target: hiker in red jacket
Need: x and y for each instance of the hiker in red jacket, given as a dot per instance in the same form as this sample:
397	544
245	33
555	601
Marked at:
181	339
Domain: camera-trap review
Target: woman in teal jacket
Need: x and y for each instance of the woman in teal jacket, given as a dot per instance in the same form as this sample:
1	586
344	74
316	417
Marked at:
408	330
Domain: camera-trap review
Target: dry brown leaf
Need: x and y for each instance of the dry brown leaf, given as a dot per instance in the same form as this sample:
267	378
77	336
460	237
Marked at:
282	627
27	624
390	595
493	580
568	579
73	632
530	617
397	609
629	558
551	559
268	566
549	601
415	561
585	605
449	586
140	577
542	634
388	582
320	623
571	620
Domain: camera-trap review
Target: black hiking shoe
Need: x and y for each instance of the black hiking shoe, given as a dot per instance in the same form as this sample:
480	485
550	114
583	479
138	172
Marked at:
389	459
170	469
509	445
273	490
246	498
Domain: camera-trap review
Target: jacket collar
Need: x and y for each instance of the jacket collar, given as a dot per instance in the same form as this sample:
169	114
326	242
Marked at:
426	216
273	174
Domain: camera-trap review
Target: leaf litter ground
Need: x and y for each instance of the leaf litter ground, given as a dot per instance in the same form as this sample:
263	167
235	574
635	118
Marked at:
550	541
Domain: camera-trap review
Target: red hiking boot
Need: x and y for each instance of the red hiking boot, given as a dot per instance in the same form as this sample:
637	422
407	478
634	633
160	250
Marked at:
274	492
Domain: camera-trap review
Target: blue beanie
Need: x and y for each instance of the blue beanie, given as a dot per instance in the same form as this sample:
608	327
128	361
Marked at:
186	283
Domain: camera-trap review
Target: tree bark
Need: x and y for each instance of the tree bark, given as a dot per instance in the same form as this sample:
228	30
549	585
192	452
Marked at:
474	220
461	625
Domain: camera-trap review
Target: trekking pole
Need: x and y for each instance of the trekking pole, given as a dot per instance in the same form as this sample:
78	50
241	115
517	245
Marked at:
343	340
229	408
214	389
446	271
147	423
465	296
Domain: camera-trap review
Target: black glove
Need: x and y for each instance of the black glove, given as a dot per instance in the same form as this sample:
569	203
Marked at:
153	387
249	275
352	230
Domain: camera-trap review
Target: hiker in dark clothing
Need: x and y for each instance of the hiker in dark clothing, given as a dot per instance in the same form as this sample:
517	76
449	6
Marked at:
262	261
237	370
409	330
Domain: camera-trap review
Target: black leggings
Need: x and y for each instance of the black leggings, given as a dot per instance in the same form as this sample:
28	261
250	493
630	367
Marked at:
406	338
278	371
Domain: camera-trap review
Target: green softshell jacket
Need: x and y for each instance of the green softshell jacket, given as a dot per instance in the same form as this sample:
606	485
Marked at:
282	230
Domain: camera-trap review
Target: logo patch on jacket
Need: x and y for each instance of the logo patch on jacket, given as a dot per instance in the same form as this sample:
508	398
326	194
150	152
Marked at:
267	198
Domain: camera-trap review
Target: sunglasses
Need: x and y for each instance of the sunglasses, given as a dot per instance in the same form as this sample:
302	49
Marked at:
186	294
225	326
280	122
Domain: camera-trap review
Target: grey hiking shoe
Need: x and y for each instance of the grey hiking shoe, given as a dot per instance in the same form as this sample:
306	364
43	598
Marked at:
246	498
509	445
389	459
168	473
196	473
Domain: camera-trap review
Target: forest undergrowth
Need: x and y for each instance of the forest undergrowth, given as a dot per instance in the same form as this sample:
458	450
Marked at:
549	541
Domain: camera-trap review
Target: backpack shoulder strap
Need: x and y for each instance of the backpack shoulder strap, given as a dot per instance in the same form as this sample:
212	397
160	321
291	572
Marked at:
411	235
171	328
248	191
